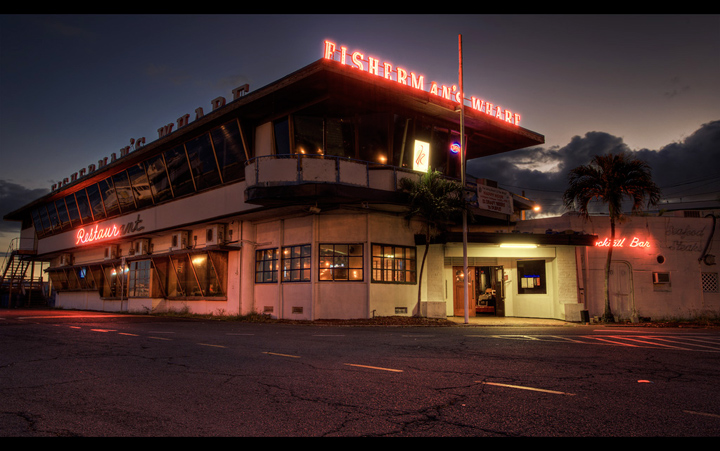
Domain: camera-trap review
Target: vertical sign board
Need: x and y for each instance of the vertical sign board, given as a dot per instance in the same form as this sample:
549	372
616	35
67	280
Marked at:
421	156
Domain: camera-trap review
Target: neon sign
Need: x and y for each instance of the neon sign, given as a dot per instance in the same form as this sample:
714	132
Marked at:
97	233
455	147
374	66
635	242
421	160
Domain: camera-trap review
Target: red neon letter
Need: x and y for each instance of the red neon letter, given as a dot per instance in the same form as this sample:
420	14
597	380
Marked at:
329	50
357	59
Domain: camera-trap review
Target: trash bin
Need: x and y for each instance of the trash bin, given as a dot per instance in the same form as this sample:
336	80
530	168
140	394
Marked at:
584	316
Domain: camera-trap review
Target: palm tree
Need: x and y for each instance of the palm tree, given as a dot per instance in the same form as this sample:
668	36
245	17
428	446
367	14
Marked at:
439	202
610	178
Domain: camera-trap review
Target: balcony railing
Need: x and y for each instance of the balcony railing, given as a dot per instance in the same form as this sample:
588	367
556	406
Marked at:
298	169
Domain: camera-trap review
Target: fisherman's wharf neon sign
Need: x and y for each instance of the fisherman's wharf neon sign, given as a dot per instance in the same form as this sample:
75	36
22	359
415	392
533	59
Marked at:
97	233
384	69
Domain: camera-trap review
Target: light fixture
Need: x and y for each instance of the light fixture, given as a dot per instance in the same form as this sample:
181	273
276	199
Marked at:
519	245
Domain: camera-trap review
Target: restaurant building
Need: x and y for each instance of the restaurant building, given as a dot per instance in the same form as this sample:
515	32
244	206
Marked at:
285	201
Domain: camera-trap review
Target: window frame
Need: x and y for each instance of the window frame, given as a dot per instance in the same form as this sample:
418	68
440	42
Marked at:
261	262
539	282
337	256
302	260
393	271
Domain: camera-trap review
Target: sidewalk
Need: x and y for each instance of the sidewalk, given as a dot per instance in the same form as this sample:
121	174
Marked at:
510	321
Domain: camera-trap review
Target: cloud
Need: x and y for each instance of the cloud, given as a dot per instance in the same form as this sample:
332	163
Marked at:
682	170
12	197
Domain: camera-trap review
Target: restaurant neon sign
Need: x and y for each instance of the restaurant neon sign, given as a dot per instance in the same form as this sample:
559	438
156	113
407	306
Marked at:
374	66
97	233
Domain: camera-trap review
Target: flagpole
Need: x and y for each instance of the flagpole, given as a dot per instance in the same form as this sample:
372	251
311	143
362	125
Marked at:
466	291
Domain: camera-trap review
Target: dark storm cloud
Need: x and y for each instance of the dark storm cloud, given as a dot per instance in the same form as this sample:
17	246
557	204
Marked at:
682	169
12	197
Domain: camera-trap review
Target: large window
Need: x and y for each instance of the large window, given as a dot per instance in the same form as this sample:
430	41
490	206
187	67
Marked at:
197	274
266	265
139	277
531	277
296	263
341	262
395	264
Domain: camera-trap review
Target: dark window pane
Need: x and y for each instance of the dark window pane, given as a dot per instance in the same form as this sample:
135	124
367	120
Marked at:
73	212
202	161
62	212
107	190
140	185
179	171
282	137
158	179
230	152
123	192
52	216
44	219
95	199
84	206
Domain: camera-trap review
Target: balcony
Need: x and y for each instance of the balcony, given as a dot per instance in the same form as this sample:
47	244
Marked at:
290	179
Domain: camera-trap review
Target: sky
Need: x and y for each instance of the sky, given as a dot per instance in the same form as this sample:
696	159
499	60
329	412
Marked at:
76	88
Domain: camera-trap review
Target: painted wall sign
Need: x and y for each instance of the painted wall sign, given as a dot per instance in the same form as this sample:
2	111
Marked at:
621	242
92	234
387	70
421	156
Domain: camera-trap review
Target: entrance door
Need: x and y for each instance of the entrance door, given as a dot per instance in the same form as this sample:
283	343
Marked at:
621	290
487	294
499	284
459	287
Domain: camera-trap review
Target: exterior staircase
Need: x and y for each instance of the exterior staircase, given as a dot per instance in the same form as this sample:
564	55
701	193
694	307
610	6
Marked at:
19	286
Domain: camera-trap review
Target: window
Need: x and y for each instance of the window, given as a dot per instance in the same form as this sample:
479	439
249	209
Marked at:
341	262
96	203
178	170
227	142
531	277
139	278
197	274
203	163
266	265
140	185
393	264
123	192
107	191
296	263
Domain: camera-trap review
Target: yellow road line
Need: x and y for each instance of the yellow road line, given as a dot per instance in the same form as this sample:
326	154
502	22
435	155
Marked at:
527	388
375	367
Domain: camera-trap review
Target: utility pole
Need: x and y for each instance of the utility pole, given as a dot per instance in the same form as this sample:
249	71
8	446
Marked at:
462	180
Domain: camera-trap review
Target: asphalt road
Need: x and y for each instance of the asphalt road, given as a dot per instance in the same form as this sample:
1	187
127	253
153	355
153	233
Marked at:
88	374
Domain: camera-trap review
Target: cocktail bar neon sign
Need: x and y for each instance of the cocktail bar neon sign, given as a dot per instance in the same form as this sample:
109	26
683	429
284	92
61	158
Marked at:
620	242
384	69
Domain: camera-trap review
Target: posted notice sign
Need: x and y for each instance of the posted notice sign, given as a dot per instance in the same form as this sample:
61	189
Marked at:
494	199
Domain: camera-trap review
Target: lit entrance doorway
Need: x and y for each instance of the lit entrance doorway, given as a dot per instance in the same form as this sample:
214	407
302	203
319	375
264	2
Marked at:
485	284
